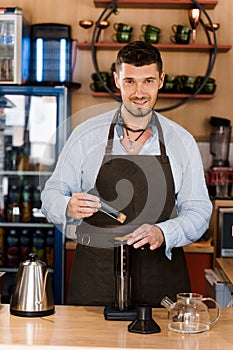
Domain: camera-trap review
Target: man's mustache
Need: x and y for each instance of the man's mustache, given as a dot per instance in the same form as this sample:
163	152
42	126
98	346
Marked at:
139	98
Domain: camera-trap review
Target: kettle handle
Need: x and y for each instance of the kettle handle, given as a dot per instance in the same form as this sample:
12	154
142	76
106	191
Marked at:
44	289
218	311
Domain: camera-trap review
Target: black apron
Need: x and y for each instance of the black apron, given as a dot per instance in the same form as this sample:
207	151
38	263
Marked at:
141	187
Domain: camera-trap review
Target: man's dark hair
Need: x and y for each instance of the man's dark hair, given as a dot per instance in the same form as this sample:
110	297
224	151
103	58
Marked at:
139	53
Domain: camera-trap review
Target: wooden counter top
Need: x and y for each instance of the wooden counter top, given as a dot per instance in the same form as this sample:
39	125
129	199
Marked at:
85	328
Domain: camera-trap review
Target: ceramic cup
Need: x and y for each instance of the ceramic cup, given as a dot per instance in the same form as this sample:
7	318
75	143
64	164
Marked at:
97	85
180	29
168	87
121	37
170	78
150	37
104	76
180	38
209	87
122	27
148	28
185	84
187	88
185	79
199	80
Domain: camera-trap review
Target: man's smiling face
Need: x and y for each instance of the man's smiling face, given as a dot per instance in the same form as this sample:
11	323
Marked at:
139	87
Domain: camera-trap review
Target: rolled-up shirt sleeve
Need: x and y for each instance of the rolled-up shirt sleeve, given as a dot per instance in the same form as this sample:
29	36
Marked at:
76	169
193	204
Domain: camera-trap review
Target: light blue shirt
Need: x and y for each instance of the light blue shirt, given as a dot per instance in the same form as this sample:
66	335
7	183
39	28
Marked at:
81	158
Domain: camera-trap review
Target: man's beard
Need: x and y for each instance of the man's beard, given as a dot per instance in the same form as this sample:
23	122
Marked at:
139	113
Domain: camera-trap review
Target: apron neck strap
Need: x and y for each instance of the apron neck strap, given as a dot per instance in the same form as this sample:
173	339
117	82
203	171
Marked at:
161	140
108	149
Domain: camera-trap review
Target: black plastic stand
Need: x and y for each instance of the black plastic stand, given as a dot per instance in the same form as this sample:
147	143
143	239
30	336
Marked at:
144	323
111	313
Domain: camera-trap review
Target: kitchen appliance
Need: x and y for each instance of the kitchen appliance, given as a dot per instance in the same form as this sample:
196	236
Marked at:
32	293
220	141
51	53
220	175
14	46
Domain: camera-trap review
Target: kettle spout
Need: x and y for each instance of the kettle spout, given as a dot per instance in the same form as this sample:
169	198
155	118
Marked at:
167	303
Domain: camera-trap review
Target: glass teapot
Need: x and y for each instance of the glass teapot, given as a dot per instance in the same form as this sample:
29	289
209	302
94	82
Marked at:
189	314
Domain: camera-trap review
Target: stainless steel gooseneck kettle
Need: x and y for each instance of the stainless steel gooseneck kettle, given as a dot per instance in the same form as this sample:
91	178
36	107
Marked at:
32	293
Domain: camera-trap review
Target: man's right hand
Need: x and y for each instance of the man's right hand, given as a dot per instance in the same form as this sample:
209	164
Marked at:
82	205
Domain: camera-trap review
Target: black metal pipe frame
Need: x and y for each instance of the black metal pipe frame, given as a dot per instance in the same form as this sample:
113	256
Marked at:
112	8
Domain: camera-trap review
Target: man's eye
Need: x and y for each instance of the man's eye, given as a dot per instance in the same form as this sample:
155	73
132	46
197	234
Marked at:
149	81
129	81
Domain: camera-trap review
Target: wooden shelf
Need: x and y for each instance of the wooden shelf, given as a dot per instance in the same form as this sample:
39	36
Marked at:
162	95
161	4
162	47
180	96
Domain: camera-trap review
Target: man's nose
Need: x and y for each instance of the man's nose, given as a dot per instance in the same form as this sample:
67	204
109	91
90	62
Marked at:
139	91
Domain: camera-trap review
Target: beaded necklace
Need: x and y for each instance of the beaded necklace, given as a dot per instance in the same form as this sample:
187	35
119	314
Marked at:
131	142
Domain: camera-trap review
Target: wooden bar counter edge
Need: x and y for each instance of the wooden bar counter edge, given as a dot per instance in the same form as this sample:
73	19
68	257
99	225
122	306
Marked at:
84	327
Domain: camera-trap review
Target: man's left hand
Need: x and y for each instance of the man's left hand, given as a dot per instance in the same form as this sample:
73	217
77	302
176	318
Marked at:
146	234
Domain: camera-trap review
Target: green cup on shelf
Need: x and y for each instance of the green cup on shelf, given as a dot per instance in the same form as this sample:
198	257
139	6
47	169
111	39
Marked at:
148	28
180	38
122	27
121	37
150	37
180	29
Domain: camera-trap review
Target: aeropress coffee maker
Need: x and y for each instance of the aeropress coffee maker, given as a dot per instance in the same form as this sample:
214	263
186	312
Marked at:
121	309
220	174
141	316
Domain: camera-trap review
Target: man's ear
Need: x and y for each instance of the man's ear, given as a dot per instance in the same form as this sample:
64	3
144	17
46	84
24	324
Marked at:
116	79
162	77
